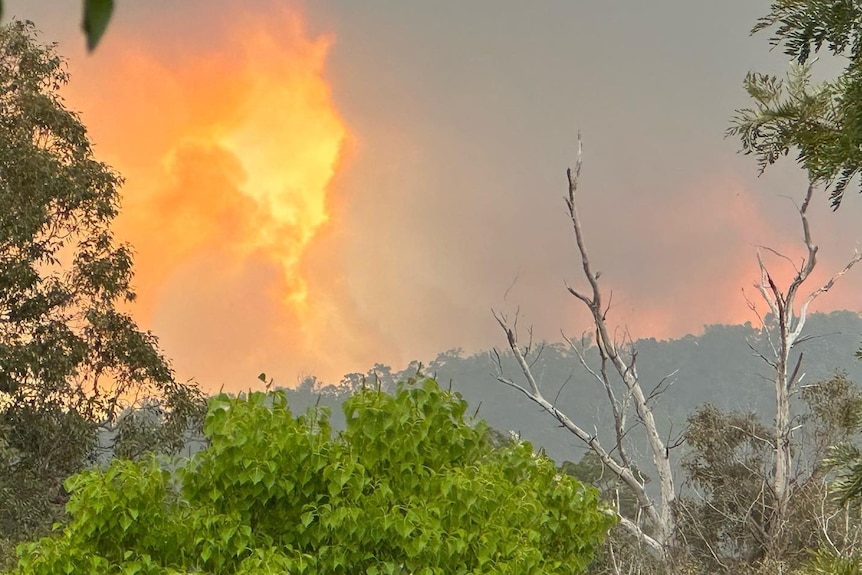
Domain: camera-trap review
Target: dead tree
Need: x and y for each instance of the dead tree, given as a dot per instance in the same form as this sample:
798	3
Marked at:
655	526
783	335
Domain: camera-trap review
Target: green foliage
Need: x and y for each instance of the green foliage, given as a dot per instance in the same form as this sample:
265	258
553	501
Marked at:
592	471
803	26
97	15
728	464
839	556
68	356
830	563
729	507
845	458
823	122
408	487
61	273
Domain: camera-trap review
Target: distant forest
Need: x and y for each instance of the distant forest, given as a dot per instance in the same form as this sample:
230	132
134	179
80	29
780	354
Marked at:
717	367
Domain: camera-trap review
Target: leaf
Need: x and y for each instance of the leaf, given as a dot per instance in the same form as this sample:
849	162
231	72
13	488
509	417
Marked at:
350	530
262	377
257	475
306	518
97	14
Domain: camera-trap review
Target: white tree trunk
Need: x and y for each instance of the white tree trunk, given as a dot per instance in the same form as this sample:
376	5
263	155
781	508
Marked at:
782	339
658	535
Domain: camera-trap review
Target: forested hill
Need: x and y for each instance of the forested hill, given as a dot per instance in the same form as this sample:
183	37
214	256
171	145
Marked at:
716	367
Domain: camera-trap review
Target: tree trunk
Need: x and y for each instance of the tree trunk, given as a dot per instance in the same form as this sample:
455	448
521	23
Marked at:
789	334
659	535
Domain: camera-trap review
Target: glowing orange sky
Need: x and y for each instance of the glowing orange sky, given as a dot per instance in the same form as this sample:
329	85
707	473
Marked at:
229	155
315	187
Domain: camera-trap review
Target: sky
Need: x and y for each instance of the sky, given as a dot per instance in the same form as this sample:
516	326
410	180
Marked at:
315	187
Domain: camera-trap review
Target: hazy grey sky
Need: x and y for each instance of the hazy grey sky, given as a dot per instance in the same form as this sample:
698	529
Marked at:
462	118
468	113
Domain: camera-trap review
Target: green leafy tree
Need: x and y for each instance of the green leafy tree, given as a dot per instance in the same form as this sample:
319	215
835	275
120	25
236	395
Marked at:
592	471
729	510
70	360
408	487
845	459
822	122
728	466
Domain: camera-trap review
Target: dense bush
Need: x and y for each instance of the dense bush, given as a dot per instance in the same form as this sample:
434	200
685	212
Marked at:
408	487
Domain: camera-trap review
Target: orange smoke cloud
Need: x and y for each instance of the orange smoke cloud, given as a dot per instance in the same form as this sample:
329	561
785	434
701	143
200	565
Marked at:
708	249
229	151
698	258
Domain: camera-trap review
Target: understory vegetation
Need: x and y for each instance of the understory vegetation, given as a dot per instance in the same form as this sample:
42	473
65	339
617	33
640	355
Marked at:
409	486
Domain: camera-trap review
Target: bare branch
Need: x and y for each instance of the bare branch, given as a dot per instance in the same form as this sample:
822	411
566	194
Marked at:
757	353
655	547
809	337
660	516
538	354
592	442
792	379
789	326
803	310
511	334
660	387
773	296
780	255
565	383
764	328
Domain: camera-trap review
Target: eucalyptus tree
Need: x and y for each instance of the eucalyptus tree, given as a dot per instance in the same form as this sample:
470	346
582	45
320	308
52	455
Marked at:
821	122
71	360
824	124
729	506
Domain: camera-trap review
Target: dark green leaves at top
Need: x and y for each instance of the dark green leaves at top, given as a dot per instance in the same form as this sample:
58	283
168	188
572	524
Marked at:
97	14
822	123
802	27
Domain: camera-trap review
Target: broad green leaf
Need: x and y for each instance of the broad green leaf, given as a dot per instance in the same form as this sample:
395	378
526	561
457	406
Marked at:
224	519
97	14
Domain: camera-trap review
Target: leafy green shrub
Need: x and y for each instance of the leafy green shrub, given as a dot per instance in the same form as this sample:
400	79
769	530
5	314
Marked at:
408	487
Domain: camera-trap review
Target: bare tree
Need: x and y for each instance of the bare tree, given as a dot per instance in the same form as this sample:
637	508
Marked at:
783	334
655	524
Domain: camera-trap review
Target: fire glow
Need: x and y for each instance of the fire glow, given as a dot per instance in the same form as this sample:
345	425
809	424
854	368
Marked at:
228	152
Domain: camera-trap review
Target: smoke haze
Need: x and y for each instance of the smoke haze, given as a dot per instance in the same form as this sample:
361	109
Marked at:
316	187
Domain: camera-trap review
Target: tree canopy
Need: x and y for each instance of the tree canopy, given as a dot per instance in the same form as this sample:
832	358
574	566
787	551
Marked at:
823	122
410	486
70	358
